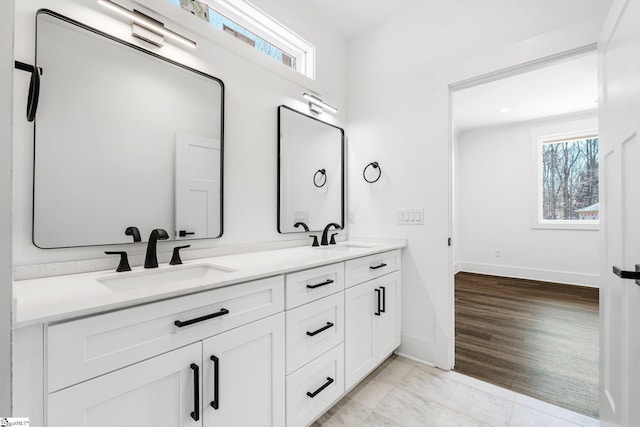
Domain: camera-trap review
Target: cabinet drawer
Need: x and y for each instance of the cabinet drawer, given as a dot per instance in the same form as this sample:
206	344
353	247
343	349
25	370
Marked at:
366	268
323	379
85	348
314	328
310	285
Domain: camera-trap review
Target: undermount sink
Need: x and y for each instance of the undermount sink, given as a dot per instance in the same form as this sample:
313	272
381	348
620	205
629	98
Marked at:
345	247
163	276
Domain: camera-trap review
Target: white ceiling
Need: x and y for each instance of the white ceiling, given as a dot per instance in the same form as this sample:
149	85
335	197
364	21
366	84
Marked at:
349	18
563	88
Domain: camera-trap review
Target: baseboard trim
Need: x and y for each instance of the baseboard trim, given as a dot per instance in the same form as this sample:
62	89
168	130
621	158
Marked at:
415	359
567	277
420	350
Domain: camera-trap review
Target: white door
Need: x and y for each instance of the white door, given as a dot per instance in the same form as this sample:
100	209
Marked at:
198	210
360	304
387	324
619	124
155	393
244	376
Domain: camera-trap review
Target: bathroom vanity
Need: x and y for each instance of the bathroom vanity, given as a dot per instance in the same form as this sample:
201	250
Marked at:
268	338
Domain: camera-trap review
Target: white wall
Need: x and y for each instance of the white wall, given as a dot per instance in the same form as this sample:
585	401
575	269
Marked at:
255	85
495	195
399	77
6	107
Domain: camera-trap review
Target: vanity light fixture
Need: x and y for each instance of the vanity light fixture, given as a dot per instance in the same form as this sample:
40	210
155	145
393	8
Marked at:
317	105
146	28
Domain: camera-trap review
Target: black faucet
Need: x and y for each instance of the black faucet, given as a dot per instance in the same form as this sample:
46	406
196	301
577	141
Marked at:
151	260
325	240
134	232
298	224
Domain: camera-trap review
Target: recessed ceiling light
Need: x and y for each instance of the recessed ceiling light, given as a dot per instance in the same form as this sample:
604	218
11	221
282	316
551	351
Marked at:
504	110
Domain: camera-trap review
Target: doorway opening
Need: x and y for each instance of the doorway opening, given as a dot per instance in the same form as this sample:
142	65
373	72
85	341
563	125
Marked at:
526	287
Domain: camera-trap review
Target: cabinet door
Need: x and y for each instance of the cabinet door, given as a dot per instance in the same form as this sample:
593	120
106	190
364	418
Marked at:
360	306
387	324
244	376
155	392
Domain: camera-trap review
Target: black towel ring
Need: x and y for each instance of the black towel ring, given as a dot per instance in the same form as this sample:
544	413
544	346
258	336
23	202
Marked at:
375	166
323	173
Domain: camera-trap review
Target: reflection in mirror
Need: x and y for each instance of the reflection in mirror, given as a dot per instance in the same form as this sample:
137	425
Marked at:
123	138
310	172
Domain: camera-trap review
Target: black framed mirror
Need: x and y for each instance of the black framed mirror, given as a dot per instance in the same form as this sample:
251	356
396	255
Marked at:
311	172
124	138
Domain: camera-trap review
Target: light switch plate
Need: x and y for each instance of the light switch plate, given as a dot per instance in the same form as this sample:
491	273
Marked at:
411	216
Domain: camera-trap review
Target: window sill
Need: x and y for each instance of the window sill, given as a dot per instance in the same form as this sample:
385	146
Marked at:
567	225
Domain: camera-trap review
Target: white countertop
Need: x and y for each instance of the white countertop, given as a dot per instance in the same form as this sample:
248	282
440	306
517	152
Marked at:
54	299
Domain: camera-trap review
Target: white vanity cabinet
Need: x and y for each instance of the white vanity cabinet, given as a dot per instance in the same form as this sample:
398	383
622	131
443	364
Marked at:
315	336
276	351
155	392
372	313
244	376
233	379
212	381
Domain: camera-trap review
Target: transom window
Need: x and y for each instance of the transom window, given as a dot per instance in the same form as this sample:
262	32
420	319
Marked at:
568	186
252	26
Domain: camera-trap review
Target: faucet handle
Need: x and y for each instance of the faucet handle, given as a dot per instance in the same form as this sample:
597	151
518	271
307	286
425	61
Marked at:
333	239
124	260
315	240
175	258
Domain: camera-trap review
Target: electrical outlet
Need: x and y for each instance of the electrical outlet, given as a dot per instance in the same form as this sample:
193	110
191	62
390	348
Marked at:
498	253
352	216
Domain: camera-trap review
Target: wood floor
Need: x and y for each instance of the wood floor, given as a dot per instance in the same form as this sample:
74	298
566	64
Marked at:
535	338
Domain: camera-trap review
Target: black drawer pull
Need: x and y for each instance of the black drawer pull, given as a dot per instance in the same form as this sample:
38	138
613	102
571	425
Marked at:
384	299
378	293
196	392
180	323
325	385
324	328
215	403
375	267
325	283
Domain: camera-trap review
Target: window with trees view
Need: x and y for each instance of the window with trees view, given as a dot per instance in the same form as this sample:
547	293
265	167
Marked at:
569	179
243	21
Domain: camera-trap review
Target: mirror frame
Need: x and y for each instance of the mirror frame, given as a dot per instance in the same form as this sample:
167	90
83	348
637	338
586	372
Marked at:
153	55
342	167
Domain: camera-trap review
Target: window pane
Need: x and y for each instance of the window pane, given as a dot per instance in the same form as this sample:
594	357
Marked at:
203	11
570	180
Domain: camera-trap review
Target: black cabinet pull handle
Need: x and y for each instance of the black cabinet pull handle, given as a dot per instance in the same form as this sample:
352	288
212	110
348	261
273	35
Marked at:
324	328
325	283
375	267
185	233
378	292
325	385
180	323
215	403
384	299
196	392
623	274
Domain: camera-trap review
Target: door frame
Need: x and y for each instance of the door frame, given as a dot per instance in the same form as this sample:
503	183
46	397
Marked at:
506	62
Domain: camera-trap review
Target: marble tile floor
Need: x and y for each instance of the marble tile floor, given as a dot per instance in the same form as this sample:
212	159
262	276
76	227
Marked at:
404	393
